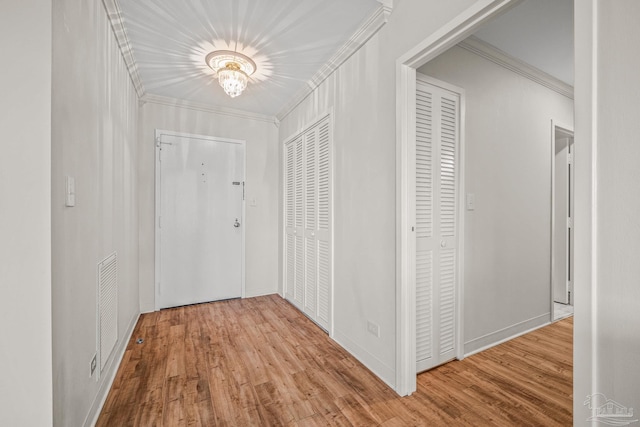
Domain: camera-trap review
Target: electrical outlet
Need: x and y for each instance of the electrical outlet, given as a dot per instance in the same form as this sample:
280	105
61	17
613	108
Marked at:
373	328
94	363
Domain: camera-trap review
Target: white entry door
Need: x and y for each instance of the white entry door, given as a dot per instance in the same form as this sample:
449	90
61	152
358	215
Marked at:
199	203
436	218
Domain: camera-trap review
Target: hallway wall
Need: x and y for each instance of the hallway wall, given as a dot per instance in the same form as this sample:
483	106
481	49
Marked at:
25	213
94	140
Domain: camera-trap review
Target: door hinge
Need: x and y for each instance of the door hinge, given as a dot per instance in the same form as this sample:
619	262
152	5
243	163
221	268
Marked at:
570	158
570	222
243	190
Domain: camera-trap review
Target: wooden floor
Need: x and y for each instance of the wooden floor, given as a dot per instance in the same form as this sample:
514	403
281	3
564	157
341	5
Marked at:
259	362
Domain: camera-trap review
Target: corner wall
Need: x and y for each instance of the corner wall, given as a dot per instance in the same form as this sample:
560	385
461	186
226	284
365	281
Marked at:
261	221
507	271
94	140
25	214
607	343
361	95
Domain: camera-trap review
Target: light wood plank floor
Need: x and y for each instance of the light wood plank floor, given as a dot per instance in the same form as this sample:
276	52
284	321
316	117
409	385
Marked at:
259	362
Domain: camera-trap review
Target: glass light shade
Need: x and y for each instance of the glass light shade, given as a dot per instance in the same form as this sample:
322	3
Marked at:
232	79
232	69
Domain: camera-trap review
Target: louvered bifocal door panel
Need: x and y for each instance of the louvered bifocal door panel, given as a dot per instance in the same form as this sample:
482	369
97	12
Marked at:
448	219
289	218
324	221
310	218
424	228
298	297
436	196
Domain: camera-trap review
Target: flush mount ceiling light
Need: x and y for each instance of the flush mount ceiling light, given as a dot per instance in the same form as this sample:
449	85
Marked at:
233	70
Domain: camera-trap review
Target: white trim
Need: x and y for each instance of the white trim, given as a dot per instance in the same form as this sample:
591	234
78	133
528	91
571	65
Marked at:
497	56
521	328
190	105
367	30
114	14
368	359
103	390
158	134
447	36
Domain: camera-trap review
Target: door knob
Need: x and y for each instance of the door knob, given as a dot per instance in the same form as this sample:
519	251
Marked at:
236	224
443	244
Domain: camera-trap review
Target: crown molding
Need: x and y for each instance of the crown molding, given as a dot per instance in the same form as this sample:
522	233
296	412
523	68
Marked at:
114	14
369	27
497	56
190	105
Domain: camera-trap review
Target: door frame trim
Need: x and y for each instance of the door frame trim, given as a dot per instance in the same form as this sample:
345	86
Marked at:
157	187
446	37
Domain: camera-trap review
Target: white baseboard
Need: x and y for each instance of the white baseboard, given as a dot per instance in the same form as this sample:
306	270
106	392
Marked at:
498	337
375	365
260	292
98	402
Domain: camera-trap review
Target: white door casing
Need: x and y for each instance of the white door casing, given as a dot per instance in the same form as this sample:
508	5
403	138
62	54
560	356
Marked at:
307	222
436	221
199	219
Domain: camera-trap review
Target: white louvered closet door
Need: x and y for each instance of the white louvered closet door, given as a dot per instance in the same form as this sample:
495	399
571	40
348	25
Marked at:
307	183
436	183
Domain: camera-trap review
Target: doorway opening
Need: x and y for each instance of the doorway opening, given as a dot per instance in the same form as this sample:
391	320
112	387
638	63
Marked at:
536	205
199	219
562	212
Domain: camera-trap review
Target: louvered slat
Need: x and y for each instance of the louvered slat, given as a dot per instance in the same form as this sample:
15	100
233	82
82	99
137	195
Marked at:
310	280
324	176
310	179
299	183
447	299
291	266
424	303
424	165
299	263
448	140
290	188
324	284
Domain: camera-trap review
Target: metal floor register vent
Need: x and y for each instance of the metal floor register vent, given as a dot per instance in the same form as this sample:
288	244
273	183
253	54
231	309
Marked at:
107	307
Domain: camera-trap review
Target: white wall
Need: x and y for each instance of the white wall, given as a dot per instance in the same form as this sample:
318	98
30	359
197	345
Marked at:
607	319
507	269
261	221
25	213
94	139
361	94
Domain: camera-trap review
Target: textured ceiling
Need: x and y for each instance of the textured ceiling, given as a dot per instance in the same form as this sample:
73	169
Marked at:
290	41
538	32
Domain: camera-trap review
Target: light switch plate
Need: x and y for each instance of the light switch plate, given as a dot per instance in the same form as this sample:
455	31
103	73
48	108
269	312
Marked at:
70	191
471	201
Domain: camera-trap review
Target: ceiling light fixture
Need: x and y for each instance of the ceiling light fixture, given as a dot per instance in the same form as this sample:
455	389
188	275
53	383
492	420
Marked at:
232	69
